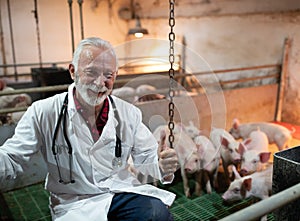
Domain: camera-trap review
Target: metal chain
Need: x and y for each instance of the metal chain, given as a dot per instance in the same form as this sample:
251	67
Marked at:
171	124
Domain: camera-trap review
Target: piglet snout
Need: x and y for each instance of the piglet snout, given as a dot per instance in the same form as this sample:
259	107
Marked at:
225	201
188	170
236	161
244	172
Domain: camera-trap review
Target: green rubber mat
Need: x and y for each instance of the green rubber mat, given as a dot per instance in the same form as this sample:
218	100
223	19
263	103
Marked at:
207	207
31	203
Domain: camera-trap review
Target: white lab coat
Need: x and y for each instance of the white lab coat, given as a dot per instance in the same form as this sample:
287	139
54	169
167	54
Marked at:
96	180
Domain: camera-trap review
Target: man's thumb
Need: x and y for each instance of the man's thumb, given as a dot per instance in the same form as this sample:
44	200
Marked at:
162	143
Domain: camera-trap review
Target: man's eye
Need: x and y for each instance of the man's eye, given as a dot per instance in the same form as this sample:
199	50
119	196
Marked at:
108	74
89	73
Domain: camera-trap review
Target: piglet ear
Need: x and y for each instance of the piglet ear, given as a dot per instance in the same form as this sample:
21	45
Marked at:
200	150
247	184
264	157
224	142
235	123
247	141
236	173
242	148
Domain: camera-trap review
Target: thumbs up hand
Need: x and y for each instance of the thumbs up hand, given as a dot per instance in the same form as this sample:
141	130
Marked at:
168	160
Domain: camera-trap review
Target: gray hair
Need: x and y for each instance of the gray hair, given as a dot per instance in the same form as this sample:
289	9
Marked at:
92	41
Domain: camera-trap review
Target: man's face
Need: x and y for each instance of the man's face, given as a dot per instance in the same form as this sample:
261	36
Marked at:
95	76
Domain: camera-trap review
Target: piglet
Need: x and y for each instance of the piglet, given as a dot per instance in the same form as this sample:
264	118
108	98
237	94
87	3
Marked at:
147	92
258	184
209	162
255	153
187	152
277	134
125	92
228	147
191	129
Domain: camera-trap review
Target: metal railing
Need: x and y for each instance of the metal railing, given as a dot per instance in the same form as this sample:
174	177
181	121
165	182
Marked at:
123	79
266	206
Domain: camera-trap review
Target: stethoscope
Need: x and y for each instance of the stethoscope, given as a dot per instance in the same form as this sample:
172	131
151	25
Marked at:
117	160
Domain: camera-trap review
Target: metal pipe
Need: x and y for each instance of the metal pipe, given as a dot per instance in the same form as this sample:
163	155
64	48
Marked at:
12	40
149	77
2	45
34	64
35	12
35	89
71	24
122	67
183	61
118	81
11	110
266	206
246	68
59	88
81	18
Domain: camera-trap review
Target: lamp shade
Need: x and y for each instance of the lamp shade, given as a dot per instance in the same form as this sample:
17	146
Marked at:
138	31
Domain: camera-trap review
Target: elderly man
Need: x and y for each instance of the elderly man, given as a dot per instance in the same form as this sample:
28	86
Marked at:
86	137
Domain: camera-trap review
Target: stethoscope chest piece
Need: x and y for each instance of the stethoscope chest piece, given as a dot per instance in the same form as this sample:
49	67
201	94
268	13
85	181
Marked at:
117	162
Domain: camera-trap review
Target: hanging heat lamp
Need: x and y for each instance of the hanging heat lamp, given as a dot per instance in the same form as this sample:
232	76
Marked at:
137	31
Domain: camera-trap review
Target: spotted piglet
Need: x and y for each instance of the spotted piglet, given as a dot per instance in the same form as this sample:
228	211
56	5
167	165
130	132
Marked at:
209	162
228	147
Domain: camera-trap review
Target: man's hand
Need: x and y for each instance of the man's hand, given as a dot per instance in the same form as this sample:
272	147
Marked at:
168	160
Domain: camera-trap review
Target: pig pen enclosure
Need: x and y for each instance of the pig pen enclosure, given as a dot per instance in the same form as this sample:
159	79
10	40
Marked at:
250	94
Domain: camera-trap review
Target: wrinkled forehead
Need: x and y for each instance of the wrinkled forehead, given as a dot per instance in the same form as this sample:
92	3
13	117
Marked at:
98	58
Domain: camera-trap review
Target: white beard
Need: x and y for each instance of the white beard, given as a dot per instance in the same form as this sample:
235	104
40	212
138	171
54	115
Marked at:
93	99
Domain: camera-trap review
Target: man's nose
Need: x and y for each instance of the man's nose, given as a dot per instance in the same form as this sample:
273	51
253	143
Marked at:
100	80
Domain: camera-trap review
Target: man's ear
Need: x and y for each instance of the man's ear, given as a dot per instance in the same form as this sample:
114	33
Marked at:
72	71
116	74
